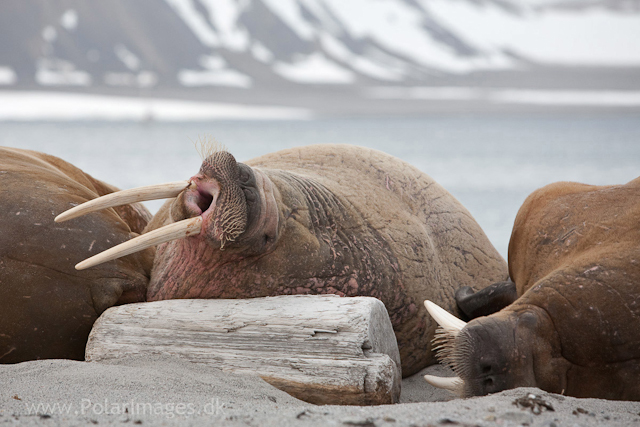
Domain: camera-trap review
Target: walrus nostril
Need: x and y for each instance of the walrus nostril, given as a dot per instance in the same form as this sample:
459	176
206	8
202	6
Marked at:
486	369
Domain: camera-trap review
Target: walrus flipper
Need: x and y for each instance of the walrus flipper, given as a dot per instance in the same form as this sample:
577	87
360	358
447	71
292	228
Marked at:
487	301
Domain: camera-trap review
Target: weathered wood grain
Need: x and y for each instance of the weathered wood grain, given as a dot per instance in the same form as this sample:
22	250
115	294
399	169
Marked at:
323	349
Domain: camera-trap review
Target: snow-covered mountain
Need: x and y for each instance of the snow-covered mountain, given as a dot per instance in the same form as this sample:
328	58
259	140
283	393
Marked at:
244	43
268	48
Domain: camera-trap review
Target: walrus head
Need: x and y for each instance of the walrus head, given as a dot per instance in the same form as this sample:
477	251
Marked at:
234	201
225	206
241	220
217	195
506	350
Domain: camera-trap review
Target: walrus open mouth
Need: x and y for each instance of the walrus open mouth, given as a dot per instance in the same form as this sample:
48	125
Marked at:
200	201
199	212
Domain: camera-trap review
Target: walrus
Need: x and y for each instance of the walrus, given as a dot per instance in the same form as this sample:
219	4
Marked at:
337	219
572	325
47	308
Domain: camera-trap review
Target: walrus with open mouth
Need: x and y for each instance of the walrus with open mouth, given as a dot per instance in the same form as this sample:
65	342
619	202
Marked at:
321	219
573	323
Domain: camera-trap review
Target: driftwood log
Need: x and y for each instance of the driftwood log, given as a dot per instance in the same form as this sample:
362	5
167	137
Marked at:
322	349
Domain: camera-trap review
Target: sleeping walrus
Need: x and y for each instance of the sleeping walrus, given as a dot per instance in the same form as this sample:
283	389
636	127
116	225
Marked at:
47	308
321	219
573	326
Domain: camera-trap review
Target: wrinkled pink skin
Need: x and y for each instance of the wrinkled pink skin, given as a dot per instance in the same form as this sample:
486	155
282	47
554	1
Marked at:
304	240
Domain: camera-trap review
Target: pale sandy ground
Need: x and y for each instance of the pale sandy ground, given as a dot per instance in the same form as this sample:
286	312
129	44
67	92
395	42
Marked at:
166	391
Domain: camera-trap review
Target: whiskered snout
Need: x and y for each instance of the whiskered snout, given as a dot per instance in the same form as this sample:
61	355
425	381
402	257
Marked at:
488	354
211	203
468	350
445	346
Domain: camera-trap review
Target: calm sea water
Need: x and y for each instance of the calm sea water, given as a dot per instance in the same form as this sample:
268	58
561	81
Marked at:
490	164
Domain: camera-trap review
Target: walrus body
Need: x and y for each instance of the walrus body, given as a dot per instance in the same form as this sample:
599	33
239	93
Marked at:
315	220
47	308
574	257
327	219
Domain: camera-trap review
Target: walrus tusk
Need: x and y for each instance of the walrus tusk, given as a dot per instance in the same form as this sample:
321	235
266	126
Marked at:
124	197
177	230
448	383
446	320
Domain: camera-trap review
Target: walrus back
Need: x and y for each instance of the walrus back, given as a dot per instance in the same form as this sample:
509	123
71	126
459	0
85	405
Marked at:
438	244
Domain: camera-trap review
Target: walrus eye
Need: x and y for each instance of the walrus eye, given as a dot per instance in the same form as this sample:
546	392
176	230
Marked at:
243	175
249	195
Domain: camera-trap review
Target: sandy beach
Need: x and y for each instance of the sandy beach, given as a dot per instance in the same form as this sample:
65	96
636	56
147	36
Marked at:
169	391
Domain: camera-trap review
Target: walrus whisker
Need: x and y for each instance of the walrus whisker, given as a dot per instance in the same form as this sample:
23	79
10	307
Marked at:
444	346
447	321
207	145
453	384
124	197
177	230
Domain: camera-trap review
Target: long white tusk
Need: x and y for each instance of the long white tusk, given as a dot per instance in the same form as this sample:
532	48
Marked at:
448	383
124	197
446	320
177	230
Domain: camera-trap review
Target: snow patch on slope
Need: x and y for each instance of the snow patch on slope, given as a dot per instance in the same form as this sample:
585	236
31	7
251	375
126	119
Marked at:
49	34
214	78
128	58
216	73
56	72
69	20
224	14
261	53
7	76
142	79
315	68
